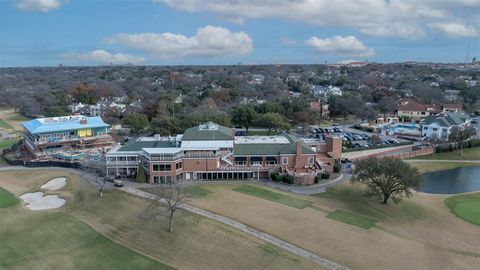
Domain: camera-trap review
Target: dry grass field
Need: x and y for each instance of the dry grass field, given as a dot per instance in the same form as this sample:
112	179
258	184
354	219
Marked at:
90	232
420	233
11	119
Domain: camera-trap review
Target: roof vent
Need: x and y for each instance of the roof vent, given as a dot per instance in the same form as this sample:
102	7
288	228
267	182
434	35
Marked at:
157	137
83	121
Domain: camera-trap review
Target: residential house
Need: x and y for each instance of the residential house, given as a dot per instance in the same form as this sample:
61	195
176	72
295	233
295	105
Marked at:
441	125
453	107
416	110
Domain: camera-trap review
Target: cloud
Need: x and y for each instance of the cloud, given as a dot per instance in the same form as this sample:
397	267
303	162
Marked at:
208	42
103	57
39	5
394	18
348	45
456	29
288	41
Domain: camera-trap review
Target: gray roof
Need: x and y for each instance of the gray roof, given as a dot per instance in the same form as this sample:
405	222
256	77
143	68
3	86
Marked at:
208	132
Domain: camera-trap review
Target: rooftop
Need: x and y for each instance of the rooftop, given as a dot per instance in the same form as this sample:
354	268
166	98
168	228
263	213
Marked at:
269	149
208	132
448	120
64	123
261	140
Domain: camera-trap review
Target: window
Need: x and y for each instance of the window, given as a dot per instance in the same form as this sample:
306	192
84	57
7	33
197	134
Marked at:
121	158
178	165
425	128
434	129
311	160
256	163
162	167
132	158
240	163
444	130
285	161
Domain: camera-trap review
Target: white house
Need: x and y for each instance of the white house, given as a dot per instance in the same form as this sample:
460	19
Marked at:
441	125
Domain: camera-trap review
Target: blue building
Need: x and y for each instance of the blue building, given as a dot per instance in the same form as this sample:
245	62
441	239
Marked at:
46	135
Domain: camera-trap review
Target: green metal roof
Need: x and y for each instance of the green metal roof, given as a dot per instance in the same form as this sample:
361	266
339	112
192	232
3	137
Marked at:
138	145
208	132
269	149
451	119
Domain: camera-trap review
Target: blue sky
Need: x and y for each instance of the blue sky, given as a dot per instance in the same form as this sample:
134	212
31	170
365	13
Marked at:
166	32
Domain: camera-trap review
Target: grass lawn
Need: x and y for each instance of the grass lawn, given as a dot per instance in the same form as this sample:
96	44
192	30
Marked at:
90	232
466	207
353	219
7	143
5	125
396	231
7	199
195	191
273	196
433	166
468	154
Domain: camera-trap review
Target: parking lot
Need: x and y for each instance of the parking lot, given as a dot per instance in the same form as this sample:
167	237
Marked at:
353	138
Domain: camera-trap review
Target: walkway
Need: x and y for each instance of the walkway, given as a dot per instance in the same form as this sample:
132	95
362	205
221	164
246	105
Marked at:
326	263
247	229
311	189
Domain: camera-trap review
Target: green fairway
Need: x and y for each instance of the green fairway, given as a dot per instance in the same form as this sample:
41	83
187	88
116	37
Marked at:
353	219
42	240
7	199
273	196
466	207
468	154
5	125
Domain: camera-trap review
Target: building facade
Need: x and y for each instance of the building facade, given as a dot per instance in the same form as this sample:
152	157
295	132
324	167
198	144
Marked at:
440	126
213	152
44	136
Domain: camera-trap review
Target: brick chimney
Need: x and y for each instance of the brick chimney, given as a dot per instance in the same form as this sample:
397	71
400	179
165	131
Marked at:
298	148
83	121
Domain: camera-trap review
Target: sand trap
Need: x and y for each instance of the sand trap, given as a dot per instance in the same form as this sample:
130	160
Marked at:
37	201
55	183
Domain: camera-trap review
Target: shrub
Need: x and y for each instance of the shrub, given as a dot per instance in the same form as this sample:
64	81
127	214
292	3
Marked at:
287	179
321	176
325	175
274	176
337	167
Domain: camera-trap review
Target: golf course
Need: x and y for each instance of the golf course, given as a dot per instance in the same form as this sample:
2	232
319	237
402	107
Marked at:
90	232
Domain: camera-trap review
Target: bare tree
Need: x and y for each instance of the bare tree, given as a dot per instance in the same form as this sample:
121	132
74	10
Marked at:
171	198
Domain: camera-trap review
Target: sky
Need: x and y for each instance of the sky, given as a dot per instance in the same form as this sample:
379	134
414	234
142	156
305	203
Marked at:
205	32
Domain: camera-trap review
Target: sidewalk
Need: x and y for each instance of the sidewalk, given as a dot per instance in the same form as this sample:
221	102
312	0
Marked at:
311	189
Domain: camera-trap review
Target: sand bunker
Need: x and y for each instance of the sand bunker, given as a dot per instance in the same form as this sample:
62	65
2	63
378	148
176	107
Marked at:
37	201
55	183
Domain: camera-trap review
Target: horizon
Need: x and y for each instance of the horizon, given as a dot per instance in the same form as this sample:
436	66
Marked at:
48	33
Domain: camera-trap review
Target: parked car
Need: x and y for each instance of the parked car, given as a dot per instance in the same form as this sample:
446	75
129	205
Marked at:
118	183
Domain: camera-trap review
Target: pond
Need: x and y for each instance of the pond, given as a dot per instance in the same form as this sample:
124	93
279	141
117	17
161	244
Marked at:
458	180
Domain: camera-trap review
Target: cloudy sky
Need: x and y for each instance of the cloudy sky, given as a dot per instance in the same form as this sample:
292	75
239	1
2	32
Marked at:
168	32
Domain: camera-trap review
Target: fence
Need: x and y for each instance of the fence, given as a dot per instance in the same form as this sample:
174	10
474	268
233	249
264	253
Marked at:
35	164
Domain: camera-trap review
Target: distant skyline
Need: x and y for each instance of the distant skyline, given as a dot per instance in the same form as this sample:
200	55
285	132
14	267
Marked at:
197	32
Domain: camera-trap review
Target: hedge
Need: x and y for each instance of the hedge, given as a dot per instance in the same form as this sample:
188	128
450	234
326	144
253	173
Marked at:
452	146
284	178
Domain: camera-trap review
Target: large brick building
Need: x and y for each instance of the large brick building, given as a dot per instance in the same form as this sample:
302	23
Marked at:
213	152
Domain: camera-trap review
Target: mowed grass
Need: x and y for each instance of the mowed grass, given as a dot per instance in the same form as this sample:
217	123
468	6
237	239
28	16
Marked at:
7	143
425	167
273	196
466	207
5	125
401	230
7	199
468	154
41	241
353	219
195	191
352	198
80	230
